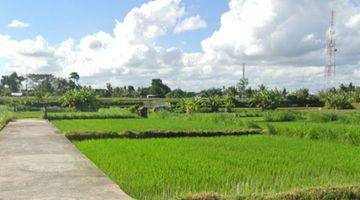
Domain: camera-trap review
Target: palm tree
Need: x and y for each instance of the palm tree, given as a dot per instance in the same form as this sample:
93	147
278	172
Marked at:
74	76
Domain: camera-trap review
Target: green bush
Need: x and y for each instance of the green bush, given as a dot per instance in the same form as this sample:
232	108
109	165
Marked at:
281	116
192	105
337	100
350	118
267	99
213	104
229	103
5	117
322	117
134	109
81	99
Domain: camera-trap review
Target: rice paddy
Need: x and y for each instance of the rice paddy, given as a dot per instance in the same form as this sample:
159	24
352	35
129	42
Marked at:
290	150
235	166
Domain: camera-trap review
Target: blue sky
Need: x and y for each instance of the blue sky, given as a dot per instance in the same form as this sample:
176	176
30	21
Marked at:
58	20
282	42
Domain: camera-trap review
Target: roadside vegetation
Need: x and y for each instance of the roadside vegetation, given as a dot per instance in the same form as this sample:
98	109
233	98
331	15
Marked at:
5	116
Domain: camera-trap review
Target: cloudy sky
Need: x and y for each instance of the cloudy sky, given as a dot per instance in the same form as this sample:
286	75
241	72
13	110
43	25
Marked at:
190	44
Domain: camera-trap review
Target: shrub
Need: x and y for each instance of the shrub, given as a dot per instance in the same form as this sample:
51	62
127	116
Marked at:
322	117
350	118
213	103
270	129
229	103
81	99
337	100
133	109
5	117
281	116
267	99
192	105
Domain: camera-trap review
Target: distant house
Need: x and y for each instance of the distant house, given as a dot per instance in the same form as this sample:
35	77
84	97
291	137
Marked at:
16	94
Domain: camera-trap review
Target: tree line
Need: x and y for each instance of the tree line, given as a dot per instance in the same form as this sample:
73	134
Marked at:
40	84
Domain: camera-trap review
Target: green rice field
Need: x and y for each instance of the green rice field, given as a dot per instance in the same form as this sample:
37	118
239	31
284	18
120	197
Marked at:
176	167
194	123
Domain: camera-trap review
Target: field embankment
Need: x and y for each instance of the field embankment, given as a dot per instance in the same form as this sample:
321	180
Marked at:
320	193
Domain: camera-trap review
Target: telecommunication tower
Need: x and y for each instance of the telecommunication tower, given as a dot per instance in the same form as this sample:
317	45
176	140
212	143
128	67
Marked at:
331	49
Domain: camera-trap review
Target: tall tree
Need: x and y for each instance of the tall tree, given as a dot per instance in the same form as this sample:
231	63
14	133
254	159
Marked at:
45	82
13	82
74	80
158	88
61	85
74	76
109	90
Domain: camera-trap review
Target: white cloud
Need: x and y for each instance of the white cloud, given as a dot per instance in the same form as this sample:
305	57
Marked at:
190	24
129	54
283	46
279	35
357	73
18	24
354	22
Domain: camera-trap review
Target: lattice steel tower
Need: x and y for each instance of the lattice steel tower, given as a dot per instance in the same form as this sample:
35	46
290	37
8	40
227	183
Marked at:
331	66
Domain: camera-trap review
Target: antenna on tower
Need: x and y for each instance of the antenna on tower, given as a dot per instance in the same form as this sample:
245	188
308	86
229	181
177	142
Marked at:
330	68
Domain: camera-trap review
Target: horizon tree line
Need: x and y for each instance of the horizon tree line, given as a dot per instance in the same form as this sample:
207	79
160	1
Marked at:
57	86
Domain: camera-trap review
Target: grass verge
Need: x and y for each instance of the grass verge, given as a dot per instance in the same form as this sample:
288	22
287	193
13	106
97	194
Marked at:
5	117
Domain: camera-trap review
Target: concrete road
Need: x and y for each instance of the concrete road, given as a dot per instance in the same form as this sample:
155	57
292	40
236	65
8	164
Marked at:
36	162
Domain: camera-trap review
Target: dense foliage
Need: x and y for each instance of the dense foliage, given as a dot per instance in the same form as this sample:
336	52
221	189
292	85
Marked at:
81	99
241	95
337	100
267	99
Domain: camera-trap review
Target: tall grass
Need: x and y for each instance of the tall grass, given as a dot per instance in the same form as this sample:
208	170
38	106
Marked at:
282	116
352	117
169	168
329	131
322	116
5	116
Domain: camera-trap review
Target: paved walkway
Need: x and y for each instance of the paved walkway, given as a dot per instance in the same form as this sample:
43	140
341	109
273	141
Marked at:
36	162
